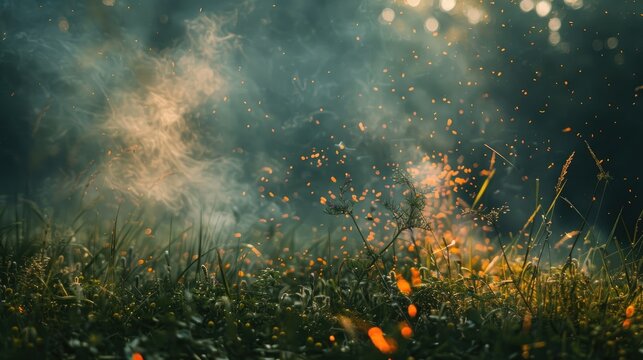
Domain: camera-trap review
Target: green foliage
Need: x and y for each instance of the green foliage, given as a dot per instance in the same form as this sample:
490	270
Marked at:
71	294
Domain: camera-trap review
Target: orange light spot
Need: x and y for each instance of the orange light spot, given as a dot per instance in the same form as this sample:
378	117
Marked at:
322	200
137	356
331	338
403	285
629	312
406	331
412	310
333	179
627	323
384	345
374	332
567	129
416	279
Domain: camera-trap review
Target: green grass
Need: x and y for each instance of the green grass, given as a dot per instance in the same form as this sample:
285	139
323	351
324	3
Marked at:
89	289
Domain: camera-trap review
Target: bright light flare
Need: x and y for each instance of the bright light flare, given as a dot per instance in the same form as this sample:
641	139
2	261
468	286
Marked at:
526	5
387	15
543	8
431	24
574	4
447	5
474	15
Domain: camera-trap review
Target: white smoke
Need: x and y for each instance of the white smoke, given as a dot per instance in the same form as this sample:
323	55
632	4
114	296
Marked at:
157	154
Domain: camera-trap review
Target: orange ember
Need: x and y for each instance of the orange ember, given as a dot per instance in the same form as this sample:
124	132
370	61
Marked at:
416	280
384	345
403	285
406	331
412	310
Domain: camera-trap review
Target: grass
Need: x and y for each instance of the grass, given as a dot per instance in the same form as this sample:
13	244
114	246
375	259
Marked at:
87	289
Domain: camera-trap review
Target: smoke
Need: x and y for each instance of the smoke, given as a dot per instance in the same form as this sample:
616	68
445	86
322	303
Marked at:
158	154
252	107
127	123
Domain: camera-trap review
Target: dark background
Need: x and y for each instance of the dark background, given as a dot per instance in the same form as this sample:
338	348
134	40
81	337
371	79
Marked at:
289	59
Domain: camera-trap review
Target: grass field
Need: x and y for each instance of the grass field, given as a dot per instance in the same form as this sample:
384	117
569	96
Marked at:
87	288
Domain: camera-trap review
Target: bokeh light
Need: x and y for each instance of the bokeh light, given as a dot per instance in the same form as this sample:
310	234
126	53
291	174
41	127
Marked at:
543	8
554	24
447	5
431	24
527	5
388	15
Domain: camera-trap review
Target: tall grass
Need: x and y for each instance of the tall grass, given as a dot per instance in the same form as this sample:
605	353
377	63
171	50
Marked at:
90	288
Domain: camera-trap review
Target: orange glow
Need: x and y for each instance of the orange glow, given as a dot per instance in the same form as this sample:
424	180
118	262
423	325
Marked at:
384	345
137	356
406	331
460	181
629	312
627	323
416	280
403	285
347	324
412	310
331	338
